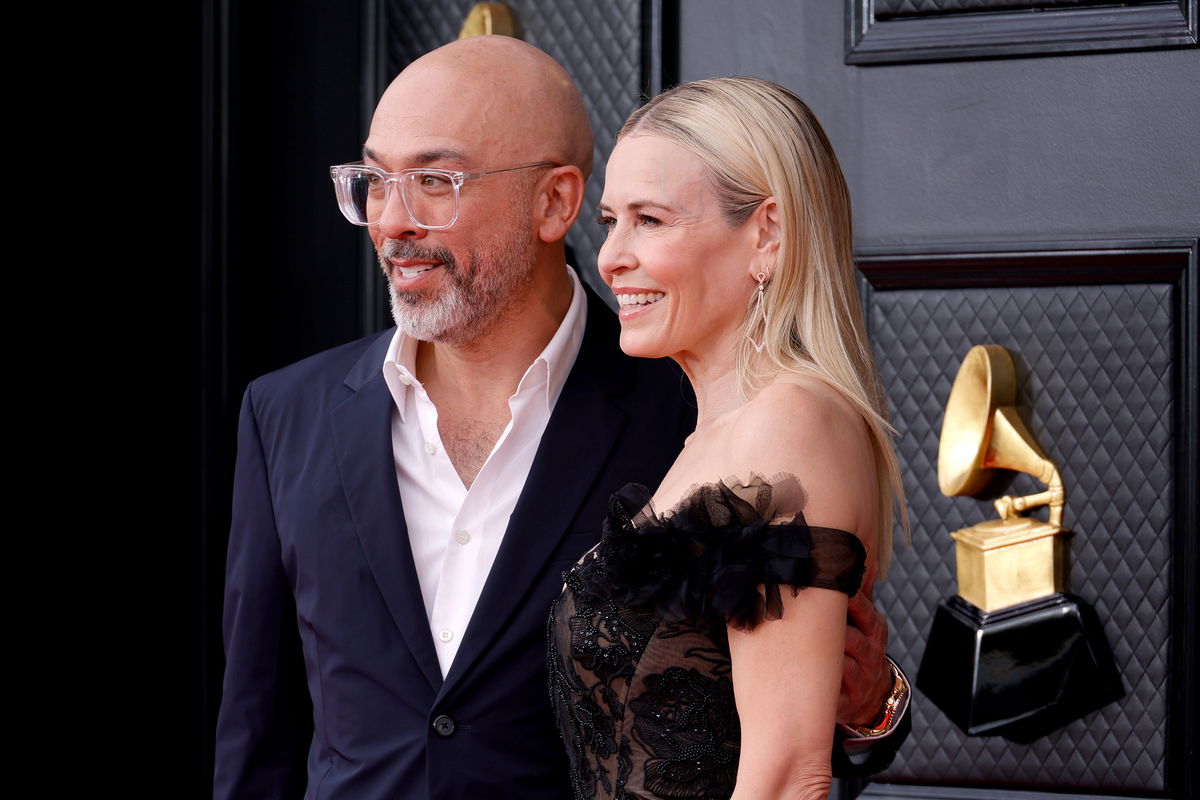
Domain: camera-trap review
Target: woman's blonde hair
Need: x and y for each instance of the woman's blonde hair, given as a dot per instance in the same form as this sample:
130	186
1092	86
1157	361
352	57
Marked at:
759	140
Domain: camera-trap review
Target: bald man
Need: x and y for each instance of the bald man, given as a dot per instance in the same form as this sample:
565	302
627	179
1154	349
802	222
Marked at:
404	505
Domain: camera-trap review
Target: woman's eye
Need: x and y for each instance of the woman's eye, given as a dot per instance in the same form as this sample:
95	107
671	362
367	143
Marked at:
646	219
606	221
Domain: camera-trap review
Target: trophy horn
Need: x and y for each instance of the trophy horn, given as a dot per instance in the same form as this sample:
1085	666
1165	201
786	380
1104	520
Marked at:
983	432
489	18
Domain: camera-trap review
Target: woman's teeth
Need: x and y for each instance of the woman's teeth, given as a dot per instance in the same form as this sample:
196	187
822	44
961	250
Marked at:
641	299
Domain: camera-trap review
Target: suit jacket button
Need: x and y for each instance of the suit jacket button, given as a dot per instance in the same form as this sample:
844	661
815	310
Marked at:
443	725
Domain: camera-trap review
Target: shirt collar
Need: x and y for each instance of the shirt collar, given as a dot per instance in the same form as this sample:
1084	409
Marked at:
548	371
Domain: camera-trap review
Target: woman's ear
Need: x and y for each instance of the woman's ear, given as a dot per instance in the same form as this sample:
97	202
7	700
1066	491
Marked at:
767	234
557	203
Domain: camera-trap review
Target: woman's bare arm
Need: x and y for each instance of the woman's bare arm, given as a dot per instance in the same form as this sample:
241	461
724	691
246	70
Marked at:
786	677
787	672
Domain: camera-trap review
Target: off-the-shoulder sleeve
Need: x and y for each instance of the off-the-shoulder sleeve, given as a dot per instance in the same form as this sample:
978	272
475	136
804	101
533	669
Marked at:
711	554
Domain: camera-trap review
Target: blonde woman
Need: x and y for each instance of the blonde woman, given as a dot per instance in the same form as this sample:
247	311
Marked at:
696	652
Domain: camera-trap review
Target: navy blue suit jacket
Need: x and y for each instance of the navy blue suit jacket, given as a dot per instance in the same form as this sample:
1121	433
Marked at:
319	546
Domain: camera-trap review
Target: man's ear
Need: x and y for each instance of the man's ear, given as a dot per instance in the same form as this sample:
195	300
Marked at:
766	232
557	202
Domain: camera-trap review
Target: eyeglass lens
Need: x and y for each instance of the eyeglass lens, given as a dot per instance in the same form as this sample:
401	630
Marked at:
431	198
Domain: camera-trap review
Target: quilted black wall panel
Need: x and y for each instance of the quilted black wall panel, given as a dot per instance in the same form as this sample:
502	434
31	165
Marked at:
1095	365
601	45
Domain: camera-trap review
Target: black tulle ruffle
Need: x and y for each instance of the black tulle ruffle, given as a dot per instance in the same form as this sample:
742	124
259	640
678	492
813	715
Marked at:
711	554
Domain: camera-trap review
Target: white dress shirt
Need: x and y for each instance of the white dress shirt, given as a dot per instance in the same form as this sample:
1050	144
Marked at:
455	532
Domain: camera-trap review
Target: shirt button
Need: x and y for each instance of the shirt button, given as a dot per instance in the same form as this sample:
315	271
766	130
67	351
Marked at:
431	448
462	537
445	634
443	725
407	381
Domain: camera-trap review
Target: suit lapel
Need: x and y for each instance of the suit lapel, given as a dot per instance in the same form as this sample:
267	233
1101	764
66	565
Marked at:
582	431
363	441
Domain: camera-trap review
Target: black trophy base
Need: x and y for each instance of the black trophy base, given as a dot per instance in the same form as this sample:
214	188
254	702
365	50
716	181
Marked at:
1019	672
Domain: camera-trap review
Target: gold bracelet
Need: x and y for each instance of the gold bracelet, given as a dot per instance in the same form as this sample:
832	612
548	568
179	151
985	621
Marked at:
893	707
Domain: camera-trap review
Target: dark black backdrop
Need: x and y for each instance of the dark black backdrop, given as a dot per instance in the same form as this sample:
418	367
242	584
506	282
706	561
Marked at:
279	268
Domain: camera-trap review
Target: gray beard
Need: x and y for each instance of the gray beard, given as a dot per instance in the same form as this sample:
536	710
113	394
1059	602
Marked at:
473	295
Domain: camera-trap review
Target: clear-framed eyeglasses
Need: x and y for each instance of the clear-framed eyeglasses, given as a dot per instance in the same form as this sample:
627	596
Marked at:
431	196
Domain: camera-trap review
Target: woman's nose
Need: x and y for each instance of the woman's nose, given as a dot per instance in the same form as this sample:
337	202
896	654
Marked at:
615	255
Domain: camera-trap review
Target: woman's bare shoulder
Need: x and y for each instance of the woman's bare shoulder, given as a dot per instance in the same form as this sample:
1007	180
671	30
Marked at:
803	427
796	414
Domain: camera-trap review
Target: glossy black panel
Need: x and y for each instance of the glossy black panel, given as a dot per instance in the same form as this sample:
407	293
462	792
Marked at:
1019	672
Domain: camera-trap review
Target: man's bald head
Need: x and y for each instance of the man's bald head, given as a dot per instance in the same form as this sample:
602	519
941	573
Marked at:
497	106
499	99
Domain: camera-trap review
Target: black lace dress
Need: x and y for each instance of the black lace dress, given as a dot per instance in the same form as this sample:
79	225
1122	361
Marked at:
638	651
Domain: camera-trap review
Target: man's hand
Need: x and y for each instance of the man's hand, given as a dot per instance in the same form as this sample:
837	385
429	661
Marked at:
866	677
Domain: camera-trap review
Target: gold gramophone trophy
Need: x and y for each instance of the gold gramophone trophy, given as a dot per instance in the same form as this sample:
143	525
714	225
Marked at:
1012	654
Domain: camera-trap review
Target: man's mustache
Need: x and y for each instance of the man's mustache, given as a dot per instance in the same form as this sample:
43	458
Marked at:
405	250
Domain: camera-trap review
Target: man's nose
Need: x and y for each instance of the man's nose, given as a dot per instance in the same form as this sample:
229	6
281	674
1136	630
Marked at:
395	222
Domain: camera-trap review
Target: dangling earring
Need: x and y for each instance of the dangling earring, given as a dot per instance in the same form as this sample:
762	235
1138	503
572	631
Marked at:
761	310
